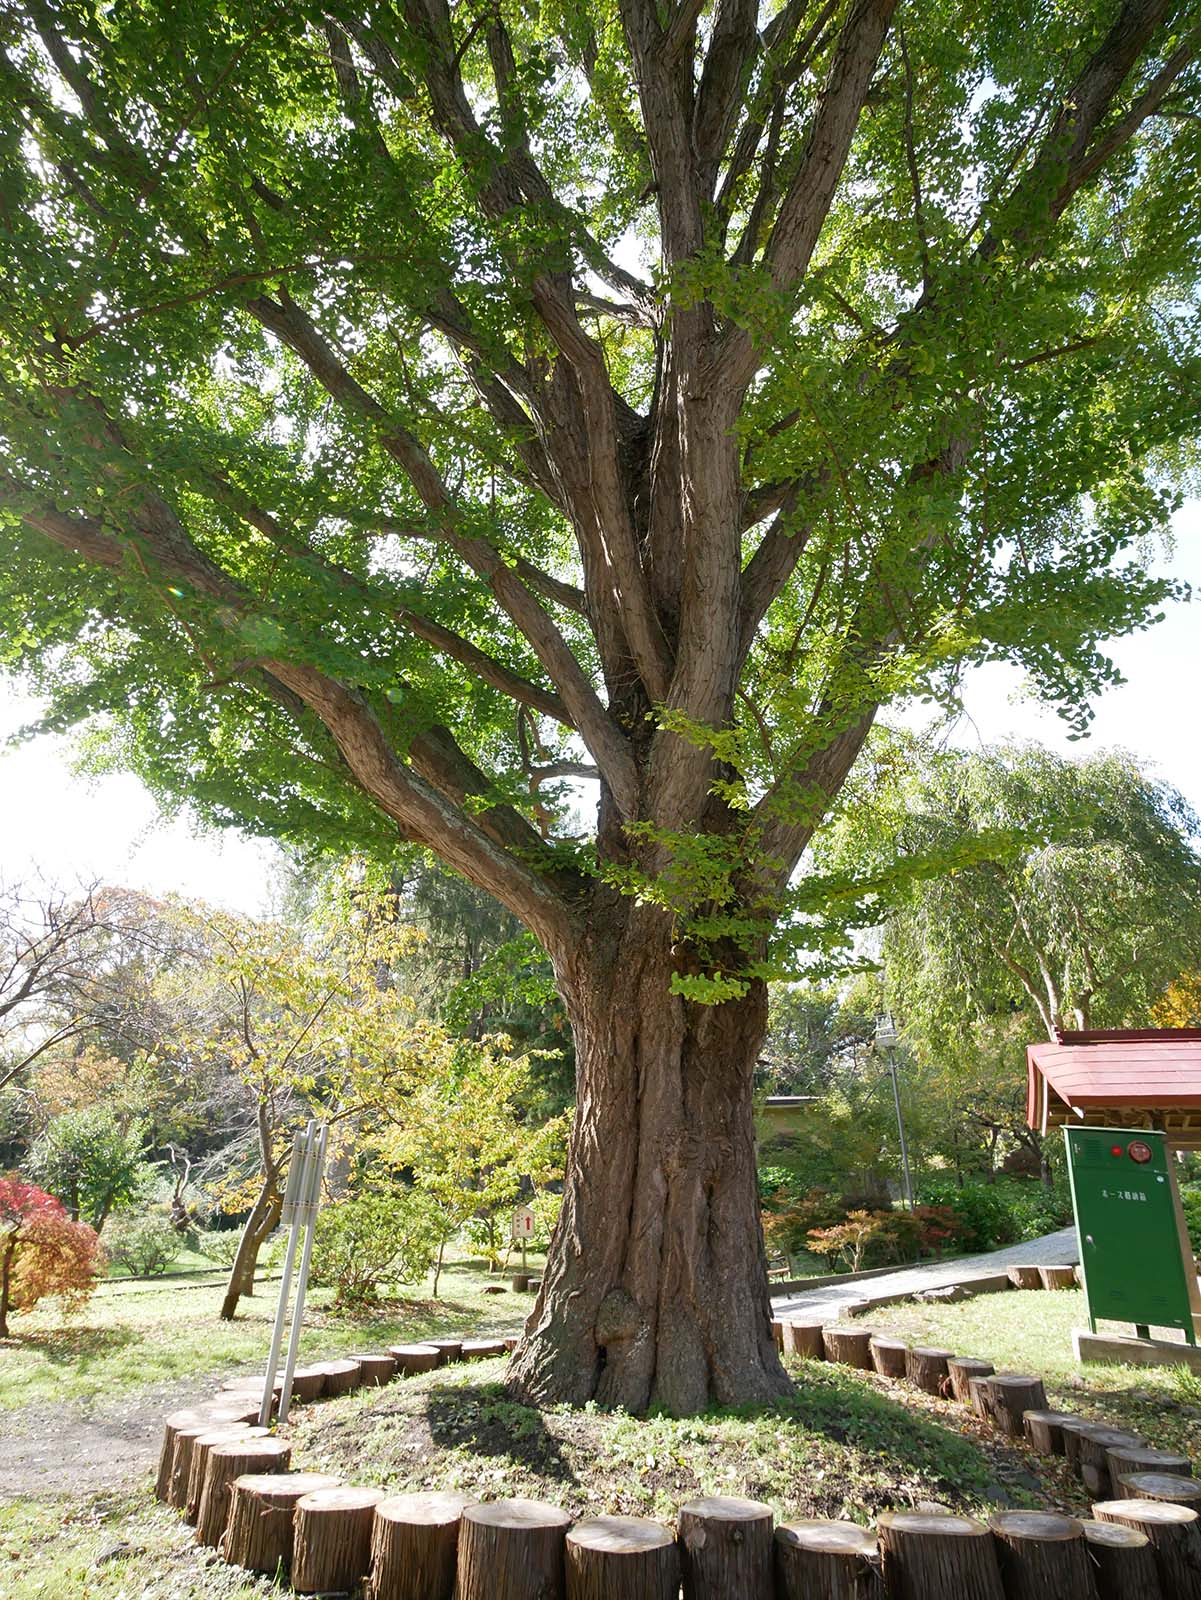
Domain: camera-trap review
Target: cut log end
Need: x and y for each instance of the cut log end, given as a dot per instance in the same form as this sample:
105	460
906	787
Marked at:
1123	1562
375	1369
411	1358
960	1372
803	1339
1174	1535
193	1460
480	1349
833	1560
510	1549
889	1357
1092	1447
258	1533
225	1463
332	1539
1044	1430
308	1384
340	1376
620	1558
726	1546
1166	1486
849	1346
1029	1277
1004	1399
926	1368
926	1556
1041	1553
1057	1277
414	1546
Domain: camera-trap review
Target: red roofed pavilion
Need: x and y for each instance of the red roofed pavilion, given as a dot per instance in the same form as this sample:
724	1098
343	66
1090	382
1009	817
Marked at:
1119	1078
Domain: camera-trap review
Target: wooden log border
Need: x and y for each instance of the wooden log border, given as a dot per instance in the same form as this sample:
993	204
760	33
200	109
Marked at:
936	1525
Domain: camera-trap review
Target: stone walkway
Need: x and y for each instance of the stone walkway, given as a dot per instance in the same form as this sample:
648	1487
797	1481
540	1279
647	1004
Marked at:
1054	1249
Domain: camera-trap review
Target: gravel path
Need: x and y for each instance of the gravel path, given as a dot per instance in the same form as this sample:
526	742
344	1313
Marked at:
1054	1249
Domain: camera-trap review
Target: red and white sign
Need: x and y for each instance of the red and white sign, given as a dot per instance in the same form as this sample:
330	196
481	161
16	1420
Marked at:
523	1223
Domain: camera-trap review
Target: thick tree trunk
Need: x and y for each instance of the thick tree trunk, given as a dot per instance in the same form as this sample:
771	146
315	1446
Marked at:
655	1291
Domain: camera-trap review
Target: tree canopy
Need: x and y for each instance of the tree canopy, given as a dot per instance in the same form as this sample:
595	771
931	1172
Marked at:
332	423
1095	912
410	413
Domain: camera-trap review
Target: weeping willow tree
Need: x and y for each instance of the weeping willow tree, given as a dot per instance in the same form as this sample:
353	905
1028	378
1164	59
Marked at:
548	433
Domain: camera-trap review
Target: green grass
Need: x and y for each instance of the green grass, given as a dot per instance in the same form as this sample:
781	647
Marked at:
142	1550
188	1260
1031	1332
135	1336
840	1446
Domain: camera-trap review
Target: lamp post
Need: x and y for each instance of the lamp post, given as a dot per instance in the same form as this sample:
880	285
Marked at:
886	1040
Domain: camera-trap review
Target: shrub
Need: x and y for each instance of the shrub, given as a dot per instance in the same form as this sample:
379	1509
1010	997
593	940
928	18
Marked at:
897	1237
847	1242
1035	1209
145	1246
546	1207
937	1226
382	1236
983	1211
220	1245
787	1225
42	1252
1005	1212
93	1158
774	1182
1190	1199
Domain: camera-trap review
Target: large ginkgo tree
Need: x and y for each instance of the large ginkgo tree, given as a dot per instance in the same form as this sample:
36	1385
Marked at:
548	431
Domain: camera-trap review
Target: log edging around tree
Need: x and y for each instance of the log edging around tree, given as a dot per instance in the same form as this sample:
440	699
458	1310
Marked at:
853	1559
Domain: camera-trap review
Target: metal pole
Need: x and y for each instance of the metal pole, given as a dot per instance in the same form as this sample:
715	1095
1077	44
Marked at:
296	1176
896	1098
311	1201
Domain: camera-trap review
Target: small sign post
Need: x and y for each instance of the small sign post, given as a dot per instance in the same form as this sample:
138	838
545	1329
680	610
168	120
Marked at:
523	1229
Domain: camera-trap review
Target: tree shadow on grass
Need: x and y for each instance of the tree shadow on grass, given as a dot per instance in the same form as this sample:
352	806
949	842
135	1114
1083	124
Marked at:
837	1404
72	1347
483	1419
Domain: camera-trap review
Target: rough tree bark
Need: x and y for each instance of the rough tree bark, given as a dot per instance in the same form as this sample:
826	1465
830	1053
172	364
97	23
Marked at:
656	1288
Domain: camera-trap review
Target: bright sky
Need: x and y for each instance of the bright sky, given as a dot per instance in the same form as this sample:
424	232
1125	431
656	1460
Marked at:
69	827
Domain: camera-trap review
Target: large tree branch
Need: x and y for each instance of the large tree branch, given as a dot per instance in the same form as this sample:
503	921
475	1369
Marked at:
790	818
731	46
1074	150
767	105
663	75
567	595
1147	105
769	569
510	182
481	849
807	202
597	728
486	667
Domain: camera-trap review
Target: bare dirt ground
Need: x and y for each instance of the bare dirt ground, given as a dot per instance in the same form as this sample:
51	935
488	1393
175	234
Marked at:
76	1449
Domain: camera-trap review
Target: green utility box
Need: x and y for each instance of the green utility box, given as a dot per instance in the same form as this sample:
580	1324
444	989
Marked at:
1127	1219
